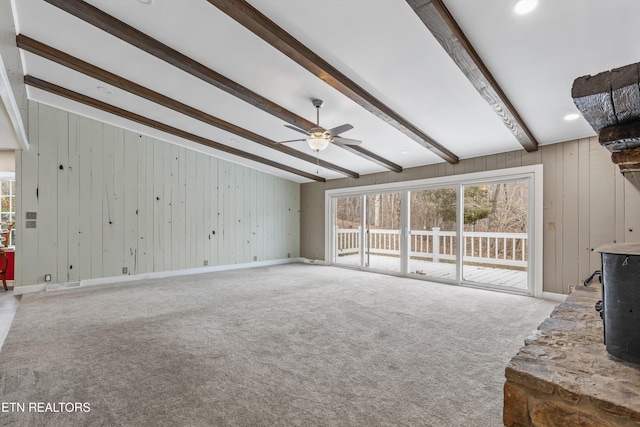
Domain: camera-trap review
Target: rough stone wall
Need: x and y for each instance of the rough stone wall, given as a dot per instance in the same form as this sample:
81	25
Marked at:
563	376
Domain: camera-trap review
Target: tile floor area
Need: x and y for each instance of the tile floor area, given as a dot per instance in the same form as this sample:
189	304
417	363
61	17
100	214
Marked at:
8	306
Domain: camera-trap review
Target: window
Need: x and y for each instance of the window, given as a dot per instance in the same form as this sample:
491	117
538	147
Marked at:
479	229
8	204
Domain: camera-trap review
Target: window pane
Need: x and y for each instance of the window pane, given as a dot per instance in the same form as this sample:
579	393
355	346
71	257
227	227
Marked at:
5	217
433	239
5	187
12	208
13	187
5	204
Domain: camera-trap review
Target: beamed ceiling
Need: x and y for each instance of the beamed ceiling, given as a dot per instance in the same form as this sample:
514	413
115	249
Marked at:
421	81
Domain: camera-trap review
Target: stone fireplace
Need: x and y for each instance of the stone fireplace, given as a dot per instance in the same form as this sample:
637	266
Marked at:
563	376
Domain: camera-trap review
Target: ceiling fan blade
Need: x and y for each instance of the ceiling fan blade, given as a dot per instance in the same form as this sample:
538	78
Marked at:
297	129
339	129
346	141
290	140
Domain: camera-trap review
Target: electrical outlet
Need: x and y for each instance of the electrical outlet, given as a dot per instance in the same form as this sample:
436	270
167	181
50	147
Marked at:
30	224
47	277
572	288
255	258
125	270
206	262
31	215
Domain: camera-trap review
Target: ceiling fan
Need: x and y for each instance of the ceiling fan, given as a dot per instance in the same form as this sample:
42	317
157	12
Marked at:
318	137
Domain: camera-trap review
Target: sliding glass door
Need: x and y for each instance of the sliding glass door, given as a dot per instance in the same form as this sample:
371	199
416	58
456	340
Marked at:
382	240
479	232
348	231
433	233
495	234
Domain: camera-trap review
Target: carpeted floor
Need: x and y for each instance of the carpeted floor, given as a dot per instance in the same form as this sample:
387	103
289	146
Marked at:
292	345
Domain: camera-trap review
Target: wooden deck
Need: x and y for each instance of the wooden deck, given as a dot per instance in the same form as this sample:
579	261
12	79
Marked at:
437	270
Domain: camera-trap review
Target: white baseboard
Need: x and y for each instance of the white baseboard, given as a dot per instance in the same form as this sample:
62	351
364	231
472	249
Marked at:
29	289
553	296
20	290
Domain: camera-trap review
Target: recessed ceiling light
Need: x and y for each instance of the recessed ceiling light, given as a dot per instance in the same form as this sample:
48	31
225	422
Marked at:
525	6
404	152
105	90
145	1
571	116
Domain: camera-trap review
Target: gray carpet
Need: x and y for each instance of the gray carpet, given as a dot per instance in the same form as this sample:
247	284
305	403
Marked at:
293	345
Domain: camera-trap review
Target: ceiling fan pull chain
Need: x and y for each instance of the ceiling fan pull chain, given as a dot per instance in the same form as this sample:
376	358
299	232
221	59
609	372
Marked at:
317	162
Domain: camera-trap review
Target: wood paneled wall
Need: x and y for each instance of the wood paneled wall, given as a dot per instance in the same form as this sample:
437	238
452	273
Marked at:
108	198
587	202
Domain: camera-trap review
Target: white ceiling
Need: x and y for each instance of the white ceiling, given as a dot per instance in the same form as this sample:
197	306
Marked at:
380	44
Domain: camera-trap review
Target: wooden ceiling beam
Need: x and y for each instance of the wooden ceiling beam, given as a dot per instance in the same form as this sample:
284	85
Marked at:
30	45
92	102
128	34
437	18
269	31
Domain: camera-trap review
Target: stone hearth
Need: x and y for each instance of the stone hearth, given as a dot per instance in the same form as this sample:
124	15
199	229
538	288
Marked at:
563	376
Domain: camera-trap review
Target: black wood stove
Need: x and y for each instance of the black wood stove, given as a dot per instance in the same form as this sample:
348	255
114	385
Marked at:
621	299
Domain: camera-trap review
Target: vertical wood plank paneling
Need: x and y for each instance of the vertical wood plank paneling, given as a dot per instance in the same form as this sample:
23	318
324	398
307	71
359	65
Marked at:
180	251
238	224
584	210
569	215
97	221
559	235
225	232
62	194
110	253
118	202
124	200
159	203
601	183
270	215
176	222
167	232
260	217
216	210
149	203
191	238
85	130
131	141
619	231
204	192
214	226
47	192
549	218
632	207
513	159
250	221
141	217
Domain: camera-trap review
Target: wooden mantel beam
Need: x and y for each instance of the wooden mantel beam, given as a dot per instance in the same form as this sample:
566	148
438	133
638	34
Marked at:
92	102
437	18
128	34
269	31
609	98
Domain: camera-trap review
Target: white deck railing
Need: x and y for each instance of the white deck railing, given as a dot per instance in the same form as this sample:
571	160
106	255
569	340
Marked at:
480	247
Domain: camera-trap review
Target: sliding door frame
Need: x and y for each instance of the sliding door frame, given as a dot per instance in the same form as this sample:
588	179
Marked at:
533	173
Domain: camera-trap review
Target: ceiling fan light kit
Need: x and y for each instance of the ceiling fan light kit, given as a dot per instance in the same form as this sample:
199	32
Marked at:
317	142
525	6
318	137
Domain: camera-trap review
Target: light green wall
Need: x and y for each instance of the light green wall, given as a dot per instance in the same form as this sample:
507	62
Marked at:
108	198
